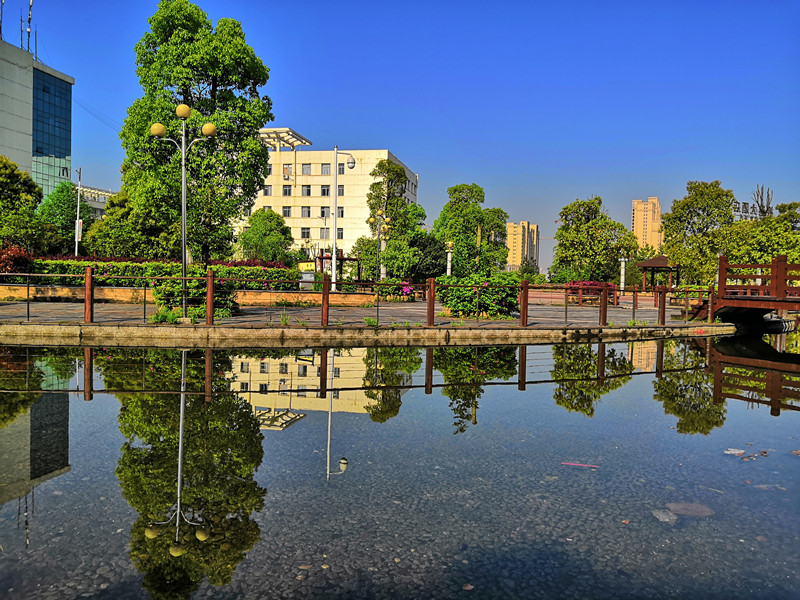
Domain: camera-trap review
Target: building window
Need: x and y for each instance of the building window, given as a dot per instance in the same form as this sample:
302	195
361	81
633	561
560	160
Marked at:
263	387
324	212
305	233
340	190
244	367
305	211
324	232
244	386
305	190
306	169
301	391
336	372
325	190
326	169
287	171
269	169
267	208
287	190
282	387
267	191
340	211
287	212
283	368
335	394
302	370
248	211
339	233
263	367
340	168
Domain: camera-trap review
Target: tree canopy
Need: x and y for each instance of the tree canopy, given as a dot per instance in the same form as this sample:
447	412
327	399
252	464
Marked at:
266	237
691	227
19	197
478	234
184	59
59	210
589	243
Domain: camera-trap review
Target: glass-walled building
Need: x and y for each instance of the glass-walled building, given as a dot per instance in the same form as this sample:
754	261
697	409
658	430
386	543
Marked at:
35	117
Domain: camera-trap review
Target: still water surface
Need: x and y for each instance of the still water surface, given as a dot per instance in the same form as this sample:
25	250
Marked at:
605	477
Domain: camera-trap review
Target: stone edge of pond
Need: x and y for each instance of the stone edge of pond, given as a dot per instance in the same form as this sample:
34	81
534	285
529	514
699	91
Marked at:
202	336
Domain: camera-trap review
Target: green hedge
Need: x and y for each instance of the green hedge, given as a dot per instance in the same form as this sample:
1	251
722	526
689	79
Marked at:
479	296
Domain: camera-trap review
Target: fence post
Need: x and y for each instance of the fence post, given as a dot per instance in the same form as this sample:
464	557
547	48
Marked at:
28	298
326	292
722	277
428	371
604	306
523	303
711	299
88	297
779	286
566	303
88	374
210	297
661	296
580	294
522	368
431	296
635	302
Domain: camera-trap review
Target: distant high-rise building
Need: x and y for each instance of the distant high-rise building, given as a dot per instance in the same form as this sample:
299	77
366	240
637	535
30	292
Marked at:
522	241
646	222
35	117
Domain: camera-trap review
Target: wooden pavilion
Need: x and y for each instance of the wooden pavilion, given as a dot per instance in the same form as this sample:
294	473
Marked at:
655	265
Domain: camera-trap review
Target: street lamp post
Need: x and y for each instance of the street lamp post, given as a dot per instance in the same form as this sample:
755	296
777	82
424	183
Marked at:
381	222
449	257
78	224
157	130
343	460
351	163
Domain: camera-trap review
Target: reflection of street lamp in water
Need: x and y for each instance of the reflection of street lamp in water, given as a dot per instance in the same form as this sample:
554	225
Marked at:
176	510
343	460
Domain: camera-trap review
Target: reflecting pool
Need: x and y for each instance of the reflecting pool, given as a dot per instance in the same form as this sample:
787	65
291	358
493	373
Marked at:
666	469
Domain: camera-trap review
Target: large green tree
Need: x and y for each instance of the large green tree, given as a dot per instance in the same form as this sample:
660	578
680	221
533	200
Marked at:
184	59
399	253
19	197
58	210
589	243
691	229
266	237
478	234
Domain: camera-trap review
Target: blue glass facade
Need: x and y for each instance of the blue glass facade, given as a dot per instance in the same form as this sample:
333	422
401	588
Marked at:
52	130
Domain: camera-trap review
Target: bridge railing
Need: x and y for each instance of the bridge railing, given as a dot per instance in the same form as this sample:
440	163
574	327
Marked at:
777	279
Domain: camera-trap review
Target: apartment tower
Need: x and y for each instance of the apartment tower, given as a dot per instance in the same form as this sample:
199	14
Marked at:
522	241
646	222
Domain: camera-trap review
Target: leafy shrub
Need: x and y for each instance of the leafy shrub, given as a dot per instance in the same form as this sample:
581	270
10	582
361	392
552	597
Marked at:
497	295
395	289
14	259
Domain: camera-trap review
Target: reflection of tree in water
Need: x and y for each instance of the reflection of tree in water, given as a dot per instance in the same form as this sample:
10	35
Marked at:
688	394
465	370
388	367
222	450
21	369
575	364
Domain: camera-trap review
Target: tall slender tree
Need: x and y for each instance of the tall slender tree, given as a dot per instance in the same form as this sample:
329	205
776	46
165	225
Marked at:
184	59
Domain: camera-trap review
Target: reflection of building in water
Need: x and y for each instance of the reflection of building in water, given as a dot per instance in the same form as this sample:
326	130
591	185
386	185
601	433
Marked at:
35	446
285	387
643	355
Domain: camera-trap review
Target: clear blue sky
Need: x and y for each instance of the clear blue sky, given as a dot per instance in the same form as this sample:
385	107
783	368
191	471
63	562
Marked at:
538	102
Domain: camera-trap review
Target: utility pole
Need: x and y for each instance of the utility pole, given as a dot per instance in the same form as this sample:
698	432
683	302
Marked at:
78	222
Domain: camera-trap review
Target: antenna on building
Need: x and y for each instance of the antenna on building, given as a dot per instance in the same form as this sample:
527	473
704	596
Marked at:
30	16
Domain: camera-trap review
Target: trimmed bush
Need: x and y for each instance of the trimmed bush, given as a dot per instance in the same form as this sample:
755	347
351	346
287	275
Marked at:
480	296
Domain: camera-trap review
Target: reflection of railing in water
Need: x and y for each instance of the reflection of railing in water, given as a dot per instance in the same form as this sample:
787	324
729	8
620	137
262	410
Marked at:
770	381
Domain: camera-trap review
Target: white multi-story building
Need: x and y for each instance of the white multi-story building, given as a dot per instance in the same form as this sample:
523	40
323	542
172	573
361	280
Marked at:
300	186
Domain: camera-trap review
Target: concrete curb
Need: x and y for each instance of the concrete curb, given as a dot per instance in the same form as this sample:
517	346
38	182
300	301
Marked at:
201	336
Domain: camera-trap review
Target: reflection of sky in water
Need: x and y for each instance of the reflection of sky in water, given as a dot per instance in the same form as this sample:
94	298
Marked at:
421	512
